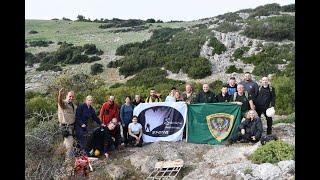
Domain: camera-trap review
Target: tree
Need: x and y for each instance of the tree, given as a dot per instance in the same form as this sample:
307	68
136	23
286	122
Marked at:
80	18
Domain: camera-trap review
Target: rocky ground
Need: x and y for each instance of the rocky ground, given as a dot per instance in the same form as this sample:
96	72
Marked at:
201	161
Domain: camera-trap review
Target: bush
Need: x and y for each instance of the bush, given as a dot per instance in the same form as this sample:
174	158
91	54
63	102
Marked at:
90	49
48	66
264	69
290	119
273	28
216	86
238	53
288	8
96	69
218	47
227	27
285	94
273	152
33	32
39	103
266	10
40	43
231	17
233	68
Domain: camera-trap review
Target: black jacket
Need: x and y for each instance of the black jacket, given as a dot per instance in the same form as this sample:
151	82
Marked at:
208	97
253	128
265	98
221	98
101	137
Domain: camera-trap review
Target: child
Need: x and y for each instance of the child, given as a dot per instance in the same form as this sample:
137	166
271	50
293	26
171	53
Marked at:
135	132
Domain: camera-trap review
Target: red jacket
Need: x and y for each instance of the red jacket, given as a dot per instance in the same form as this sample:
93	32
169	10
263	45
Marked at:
108	112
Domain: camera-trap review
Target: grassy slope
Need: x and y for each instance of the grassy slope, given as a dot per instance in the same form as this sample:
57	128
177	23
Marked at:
80	33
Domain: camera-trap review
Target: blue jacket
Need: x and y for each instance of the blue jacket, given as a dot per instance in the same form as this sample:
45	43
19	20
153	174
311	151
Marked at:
83	114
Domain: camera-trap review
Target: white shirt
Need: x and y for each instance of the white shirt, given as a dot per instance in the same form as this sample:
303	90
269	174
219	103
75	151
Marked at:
170	99
135	128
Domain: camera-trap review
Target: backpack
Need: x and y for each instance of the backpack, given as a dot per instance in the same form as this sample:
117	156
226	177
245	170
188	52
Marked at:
236	93
267	138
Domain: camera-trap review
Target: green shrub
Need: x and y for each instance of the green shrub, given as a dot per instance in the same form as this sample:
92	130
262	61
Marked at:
216	86
232	17
96	69
39	103
227	27
33	32
264	69
218	47
174	49
48	66
151	77
238	53
290	119
233	68
266	10
273	152
40	43
285	94
273	28
90	49
288	8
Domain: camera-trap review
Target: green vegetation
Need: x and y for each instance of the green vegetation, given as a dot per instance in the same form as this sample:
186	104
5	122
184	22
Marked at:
285	94
96	69
216	86
290	119
151	77
135	29
218	47
233	68
231	17
66	54
40	43
238	53
273	28
227	27
266	10
271	55
174	49
33	32
288	8
273	152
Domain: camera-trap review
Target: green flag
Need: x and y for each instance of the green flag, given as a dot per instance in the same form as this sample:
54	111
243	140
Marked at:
212	123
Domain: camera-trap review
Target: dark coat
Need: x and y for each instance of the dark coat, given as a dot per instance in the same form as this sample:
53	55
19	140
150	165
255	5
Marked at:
252	128
208	97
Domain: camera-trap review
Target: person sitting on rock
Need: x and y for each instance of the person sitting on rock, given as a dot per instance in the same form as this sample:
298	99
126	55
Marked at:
135	132
250	130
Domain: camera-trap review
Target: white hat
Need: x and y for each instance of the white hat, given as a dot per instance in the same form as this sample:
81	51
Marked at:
270	112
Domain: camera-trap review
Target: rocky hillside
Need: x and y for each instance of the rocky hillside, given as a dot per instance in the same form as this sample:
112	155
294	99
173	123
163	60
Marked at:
236	23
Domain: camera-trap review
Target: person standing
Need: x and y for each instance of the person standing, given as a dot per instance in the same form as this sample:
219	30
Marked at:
126	113
109	110
206	96
223	96
242	98
266	98
189	96
66	118
137	100
85	112
232	86
153	96
250	86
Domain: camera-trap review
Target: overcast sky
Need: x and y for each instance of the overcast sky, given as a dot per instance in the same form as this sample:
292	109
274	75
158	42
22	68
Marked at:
166	10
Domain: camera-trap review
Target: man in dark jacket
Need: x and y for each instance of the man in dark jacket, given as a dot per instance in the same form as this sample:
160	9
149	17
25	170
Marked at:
250	130
206	96
266	98
223	96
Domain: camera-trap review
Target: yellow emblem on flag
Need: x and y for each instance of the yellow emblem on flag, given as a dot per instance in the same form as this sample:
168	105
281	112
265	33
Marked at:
220	125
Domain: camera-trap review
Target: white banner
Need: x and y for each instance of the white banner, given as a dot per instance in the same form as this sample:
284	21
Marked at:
162	121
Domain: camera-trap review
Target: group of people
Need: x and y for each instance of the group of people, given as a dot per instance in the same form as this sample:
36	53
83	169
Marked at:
117	127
